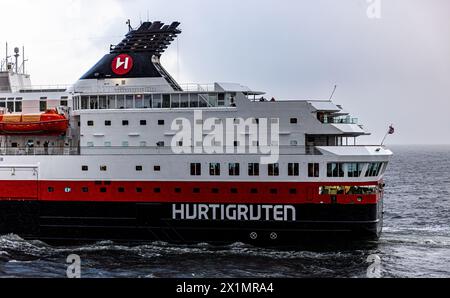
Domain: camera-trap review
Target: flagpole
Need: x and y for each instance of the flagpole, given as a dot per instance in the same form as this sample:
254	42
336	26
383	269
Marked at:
384	139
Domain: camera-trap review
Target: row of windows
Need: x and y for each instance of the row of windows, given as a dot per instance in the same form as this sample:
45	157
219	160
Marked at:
234	169
354	170
125	122
156	101
143	144
196	190
85	168
16	106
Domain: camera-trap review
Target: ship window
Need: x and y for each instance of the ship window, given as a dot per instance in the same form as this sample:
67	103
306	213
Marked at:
93	102
221	100
10	106
166	101
253	169
98	183
293	169
51	189
121	189
273	191
294	120
139	101
294	143
147	101
196	190
103	190
196	169
84	102
108	123
274	169
157	102
42	105
160	144
90	123
107	144
335	170
107	182
157	168
215	190
67	190
139	168
85	189
103	168
125	144
84	168
214	169
234	169
354	169
293	191
3	104
157	190
234	190
184	102
254	191
125	122
374	169
178	190
161	122
18	106
120	101
138	189
175	101
143	122
103	104
129	100
193	101
313	170
236	144
143	144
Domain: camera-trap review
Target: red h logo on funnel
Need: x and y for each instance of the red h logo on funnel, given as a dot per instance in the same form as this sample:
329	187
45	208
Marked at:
122	64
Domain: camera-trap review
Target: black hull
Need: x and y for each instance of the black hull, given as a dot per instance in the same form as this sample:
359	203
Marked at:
137	222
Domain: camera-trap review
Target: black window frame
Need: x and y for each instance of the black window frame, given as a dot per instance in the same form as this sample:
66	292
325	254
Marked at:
196	169
293	169
253	169
273	170
313	170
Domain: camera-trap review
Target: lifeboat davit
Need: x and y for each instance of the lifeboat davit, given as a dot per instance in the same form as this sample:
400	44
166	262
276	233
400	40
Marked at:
48	123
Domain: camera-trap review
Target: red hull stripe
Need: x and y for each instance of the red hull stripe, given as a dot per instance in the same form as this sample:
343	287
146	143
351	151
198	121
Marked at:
181	192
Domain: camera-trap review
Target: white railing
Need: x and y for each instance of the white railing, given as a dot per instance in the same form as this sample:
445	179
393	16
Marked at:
188	87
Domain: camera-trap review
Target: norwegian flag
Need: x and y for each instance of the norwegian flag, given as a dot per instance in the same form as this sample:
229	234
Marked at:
391	130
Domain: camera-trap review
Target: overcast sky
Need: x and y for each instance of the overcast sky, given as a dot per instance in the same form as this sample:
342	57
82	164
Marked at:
393	69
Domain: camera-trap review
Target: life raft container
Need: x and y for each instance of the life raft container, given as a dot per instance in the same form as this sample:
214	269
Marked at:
48	123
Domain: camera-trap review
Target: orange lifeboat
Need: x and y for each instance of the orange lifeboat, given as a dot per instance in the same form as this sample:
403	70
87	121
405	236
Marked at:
48	123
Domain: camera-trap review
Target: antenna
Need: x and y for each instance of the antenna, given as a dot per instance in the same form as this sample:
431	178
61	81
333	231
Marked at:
334	91
16	55
23	60
129	25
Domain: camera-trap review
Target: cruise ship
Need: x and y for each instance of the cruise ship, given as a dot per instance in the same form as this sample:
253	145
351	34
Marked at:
127	153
